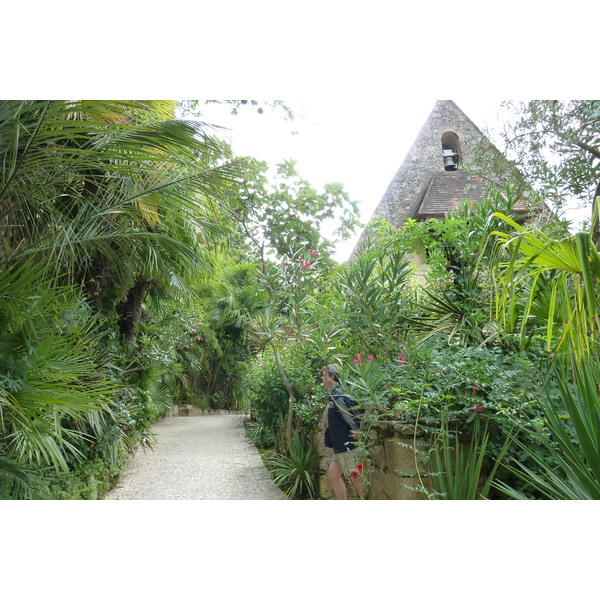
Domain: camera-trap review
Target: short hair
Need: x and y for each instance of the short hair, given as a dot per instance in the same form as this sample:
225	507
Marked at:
332	372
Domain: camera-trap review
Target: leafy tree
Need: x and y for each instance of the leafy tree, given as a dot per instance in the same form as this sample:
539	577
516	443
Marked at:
287	213
557	146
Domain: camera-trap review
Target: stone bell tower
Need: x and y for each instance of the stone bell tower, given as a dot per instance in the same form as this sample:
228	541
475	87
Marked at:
429	183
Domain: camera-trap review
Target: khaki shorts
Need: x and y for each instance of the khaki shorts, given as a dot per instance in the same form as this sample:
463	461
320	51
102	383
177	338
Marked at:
348	460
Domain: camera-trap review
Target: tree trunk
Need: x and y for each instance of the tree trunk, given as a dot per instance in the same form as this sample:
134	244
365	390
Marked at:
290	391
130	310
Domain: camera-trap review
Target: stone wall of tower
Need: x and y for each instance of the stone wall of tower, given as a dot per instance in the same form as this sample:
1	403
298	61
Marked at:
403	196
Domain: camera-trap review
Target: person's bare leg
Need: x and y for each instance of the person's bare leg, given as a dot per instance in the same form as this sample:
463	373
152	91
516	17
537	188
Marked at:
356	485
334	473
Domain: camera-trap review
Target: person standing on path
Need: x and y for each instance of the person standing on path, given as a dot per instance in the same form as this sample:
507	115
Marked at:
339	434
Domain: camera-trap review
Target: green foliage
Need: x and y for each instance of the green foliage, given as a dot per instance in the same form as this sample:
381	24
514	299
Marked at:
457	471
376	302
89	480
573	471
52	368
108	210
297	471
502	387
557	145
15	480
565	297
288	213
267	394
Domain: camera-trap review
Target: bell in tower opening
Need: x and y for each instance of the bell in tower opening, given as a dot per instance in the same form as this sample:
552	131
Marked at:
450	159
450	150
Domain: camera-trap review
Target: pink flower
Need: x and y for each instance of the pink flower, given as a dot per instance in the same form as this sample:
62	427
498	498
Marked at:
401	360
479	408
369	358
355	361
358	356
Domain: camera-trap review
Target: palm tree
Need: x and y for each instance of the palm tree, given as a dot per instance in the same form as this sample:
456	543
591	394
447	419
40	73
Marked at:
114	195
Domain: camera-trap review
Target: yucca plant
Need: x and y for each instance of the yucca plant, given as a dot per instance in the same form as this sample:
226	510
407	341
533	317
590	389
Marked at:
456	470
297	471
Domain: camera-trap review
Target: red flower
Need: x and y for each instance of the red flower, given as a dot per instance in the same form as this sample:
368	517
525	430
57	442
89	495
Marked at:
355	435
401	360
354	474
360	467
479	408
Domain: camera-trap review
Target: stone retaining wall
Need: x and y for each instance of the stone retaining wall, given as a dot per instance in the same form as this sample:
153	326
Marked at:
393	469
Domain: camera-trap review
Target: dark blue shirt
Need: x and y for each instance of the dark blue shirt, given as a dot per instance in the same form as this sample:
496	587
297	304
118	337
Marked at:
339	434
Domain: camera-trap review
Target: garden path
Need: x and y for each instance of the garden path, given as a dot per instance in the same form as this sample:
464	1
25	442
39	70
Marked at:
204	457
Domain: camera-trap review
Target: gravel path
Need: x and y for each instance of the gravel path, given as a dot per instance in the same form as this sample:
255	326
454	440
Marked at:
197	458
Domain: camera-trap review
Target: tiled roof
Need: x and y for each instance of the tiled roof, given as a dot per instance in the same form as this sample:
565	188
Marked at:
447	188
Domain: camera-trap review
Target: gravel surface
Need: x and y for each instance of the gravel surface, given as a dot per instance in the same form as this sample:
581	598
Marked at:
197	458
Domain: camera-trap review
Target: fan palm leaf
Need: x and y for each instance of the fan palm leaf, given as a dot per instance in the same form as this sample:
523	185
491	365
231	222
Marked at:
571	269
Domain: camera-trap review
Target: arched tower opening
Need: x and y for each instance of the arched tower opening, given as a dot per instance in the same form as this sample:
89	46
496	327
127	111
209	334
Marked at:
450	150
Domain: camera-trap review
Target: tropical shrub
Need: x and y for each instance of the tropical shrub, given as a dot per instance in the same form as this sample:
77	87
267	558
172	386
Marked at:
108	211
570	466
297	470
457	469
267	394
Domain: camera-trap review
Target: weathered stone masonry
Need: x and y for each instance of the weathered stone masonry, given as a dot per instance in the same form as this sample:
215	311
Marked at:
424	165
